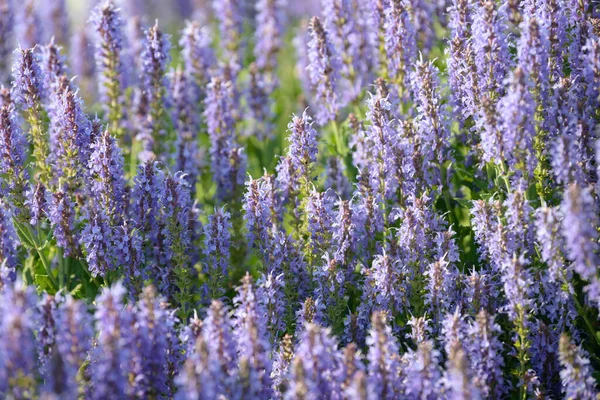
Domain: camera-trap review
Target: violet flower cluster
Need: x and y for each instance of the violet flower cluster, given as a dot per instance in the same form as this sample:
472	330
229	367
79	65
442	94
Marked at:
372	199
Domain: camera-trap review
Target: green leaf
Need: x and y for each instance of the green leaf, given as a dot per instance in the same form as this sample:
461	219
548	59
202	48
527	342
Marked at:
464	203
44	283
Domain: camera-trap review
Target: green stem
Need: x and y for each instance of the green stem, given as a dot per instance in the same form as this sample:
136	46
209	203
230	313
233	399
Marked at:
47	267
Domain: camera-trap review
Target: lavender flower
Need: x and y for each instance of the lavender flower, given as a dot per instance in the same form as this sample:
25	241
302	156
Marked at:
423	375
440	294
270	23
217	239
253	345
8	246
324	69
61	213
219	109
230	18
55	20
111	355
198	57
533	57
28	92
6	38
17	348
341	27
13	145
74	332
490	46
303	148
186	155
109	62
432	125
271	299
147	190
575	375
221	346
579	229
319	209
258	206
98	237
485	354
106	175
318	349
71	146
27	26
400	43
385	367
155	58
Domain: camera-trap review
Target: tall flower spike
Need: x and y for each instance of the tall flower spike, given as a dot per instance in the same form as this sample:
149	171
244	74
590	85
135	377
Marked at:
6	39
227	161
112	353
532	52
491	50
516	109
579	229
229	14
74	333
27	24
147	191
324	70
8	246
106	175
385	369
198	57
55	20
186	155
259	105
576	375
319	210
303	148
271	298
431	122
440	294
258	206
173	245
217	242
155	58
17	348
341	27
400	43
157	345
253	344
318	349
423	374
270	20
28	91
109	63
61	213
485	354
13	145
221	345
382	140
71	146
98	237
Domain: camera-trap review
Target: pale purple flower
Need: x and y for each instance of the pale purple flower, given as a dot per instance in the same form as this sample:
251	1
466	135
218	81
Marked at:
385	366
485	354
579	229
324	71
217	238
576	376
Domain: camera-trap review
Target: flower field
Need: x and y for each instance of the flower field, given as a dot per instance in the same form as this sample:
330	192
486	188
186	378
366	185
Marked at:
271	199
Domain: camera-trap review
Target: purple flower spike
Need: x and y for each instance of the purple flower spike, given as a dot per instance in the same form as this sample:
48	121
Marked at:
324	71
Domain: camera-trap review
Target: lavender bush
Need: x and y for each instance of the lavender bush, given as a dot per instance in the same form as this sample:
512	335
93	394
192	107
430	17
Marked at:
378	199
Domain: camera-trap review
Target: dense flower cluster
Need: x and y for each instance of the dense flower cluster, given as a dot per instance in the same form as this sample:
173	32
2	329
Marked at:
382	199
